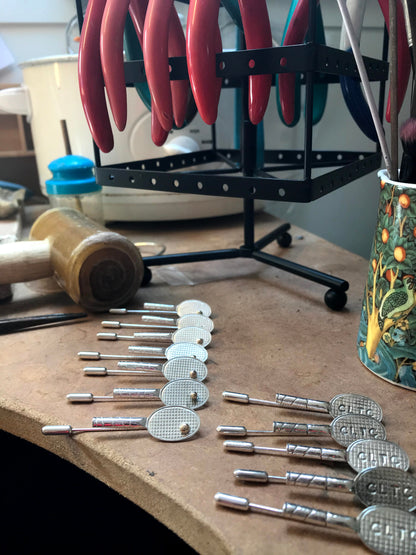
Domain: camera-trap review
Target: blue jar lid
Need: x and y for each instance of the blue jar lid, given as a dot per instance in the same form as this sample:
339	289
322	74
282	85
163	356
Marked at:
72	175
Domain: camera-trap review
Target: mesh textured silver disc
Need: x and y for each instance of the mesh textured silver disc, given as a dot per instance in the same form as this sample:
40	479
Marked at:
173	423
193	306
388	530
185	393
386	486
348	428
197	321
351	403
369	453
192	335
185	367
186	350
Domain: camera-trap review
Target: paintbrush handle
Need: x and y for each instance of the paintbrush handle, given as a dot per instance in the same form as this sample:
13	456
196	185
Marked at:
8	325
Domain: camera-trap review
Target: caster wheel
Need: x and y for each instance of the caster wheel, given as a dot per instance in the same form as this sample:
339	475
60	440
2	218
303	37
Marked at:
284	240
147	276
335	300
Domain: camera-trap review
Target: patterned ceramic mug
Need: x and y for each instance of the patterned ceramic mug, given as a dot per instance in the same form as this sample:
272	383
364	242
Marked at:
387	333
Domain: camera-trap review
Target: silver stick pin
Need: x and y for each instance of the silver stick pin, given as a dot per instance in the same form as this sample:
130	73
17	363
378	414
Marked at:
345	403
186	321
174	369
361	454
189	306
181	393
386	530
158	353
183	335
372	486
165	424
343	429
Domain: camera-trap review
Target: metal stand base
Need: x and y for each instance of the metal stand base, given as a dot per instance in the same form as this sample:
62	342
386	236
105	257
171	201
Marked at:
335	298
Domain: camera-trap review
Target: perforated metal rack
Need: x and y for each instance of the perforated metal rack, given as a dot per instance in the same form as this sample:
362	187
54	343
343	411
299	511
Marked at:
245	177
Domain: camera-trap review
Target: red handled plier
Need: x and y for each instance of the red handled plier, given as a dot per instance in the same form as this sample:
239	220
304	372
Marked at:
258	34
90	77
203	42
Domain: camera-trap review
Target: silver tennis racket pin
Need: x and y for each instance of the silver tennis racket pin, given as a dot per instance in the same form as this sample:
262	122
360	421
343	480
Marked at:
343	429
165	424
181	393
183	335
361	454
160	322
345	403
189	306
154	353
385	530
371	486
174	369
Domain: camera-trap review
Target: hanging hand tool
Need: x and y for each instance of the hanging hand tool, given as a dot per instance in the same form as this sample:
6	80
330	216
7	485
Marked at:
90	77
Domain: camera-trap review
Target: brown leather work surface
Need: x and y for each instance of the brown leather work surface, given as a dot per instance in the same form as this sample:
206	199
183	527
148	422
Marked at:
273	333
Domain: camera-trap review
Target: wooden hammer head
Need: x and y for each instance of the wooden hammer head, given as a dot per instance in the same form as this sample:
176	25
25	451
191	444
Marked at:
98	268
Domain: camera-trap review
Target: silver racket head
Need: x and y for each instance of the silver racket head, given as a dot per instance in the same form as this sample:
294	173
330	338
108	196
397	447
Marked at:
369	453
386	486
192	335
184	393
193	306
346	429
173	423
186	350
387	530
196	321
352	403
185	367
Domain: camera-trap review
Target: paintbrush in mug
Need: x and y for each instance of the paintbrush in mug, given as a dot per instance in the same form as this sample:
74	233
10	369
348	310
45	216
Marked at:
408	162
409	11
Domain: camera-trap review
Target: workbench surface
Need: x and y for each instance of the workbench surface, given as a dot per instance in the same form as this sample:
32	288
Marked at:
273	333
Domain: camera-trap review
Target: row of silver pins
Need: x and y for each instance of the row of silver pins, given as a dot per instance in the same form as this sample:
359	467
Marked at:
185	369
383	482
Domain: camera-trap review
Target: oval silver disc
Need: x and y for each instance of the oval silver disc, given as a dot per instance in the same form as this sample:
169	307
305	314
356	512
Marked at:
173	423
369	453
388	530
185	367
346	429
193	306
186	350
192	335
386	486
195	320
352	403
185	393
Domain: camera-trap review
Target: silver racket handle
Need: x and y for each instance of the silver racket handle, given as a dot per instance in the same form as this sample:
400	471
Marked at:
301	403
317	481
318	517
291	450
135	394
311	452
147	349
296	479
290	511
279	428
295	428
158	306
119	422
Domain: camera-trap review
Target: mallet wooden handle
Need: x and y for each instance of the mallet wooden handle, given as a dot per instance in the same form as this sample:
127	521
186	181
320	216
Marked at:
25	261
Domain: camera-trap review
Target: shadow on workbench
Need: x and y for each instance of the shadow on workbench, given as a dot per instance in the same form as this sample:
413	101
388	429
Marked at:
51	506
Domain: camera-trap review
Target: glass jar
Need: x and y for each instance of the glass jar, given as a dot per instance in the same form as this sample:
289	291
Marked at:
73	185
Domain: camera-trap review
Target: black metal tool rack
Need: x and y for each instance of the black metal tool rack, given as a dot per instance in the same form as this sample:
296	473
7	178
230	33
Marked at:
244	179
